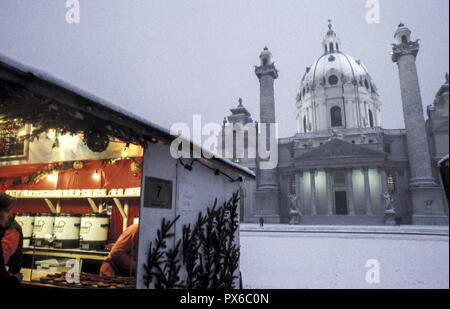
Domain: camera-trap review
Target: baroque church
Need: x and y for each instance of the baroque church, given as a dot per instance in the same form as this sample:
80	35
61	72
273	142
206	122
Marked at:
341	166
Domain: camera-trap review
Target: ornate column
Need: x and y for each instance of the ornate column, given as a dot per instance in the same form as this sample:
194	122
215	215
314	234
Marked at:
426	195
367	191
351	196
268	190
298	189
312	174
329	193
384	186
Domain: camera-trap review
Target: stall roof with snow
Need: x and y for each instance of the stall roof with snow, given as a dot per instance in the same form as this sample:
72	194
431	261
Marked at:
38	92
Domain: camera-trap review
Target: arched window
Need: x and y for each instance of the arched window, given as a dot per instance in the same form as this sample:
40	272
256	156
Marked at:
404	39
331	47
366	83
336	117
371	119
304	124
337	46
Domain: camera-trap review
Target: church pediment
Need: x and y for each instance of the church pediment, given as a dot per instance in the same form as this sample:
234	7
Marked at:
338	148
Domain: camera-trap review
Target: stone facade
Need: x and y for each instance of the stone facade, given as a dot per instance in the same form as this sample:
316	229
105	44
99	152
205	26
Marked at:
340	166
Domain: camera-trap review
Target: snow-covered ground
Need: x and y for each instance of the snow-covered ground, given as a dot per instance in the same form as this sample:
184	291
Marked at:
298	257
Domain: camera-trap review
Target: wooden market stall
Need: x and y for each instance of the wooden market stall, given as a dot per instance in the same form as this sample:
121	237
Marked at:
64	151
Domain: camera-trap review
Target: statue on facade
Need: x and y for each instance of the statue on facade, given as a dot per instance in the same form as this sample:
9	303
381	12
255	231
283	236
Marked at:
294	213
389	211
336	135
388	203
363	138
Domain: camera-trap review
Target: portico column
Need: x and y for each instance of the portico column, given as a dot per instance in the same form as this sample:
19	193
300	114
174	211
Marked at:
351	197
298	189
312	174
384	185
367	192
329	193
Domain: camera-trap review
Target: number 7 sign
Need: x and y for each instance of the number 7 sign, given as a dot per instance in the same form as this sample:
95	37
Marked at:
157	193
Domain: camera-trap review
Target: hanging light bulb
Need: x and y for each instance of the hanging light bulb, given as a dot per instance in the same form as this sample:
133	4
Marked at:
96	176
52	177
125	150
51	133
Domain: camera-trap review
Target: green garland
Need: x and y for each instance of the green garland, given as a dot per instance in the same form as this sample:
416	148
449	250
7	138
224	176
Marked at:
58	167
19	106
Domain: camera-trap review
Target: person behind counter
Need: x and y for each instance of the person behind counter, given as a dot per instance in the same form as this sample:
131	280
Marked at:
11	241
121	261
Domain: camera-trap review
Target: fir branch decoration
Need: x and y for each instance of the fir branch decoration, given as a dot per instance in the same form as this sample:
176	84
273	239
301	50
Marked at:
155	267
209	253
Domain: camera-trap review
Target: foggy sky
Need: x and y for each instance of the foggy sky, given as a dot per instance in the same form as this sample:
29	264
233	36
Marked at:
168	59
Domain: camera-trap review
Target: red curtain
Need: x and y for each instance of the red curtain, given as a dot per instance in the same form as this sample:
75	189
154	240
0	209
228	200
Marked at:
116	175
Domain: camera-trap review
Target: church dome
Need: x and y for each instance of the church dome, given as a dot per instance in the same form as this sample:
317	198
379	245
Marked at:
332	69
336	80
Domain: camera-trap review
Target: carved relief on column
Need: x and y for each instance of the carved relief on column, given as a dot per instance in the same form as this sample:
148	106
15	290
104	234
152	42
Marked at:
312	174
351	197
367	191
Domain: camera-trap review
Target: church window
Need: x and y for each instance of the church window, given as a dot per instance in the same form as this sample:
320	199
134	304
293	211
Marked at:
371	119
404	39
391	182
265	61
304	124
303	91
331	47
366	83
333	80
337	46
336	117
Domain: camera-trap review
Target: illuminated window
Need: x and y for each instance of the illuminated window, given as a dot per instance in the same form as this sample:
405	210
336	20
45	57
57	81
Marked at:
391	182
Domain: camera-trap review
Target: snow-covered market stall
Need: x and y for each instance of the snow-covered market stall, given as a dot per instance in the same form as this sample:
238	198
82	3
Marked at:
83	172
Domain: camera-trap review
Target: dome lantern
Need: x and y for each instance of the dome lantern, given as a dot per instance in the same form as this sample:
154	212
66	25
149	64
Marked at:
266	57
331	42
403	34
